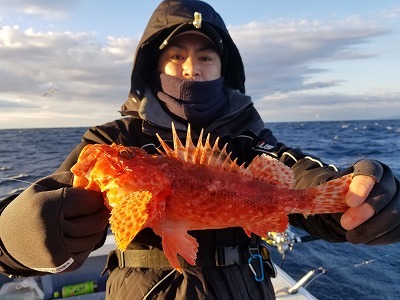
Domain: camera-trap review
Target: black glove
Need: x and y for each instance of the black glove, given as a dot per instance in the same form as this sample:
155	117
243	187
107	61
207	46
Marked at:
384	226
51	226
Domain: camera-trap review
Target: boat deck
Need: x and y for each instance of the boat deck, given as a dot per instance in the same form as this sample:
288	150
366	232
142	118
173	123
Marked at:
94	265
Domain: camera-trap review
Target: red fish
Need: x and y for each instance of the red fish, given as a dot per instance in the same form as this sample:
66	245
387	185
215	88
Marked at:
196	187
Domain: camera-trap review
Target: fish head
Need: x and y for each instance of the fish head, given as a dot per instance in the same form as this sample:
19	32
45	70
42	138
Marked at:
136	170
116	169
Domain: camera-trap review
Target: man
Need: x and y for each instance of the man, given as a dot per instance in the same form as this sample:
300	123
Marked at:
187	69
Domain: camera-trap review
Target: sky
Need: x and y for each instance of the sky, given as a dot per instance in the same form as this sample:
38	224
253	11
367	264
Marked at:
68	63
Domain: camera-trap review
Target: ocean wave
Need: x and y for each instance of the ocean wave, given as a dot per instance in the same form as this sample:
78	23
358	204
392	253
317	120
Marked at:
12	192
14	178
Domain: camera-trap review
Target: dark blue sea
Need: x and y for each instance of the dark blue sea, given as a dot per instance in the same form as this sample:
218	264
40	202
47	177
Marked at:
351	271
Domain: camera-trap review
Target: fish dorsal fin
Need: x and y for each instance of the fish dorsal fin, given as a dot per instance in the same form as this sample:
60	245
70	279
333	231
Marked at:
271	170
262	167
201	154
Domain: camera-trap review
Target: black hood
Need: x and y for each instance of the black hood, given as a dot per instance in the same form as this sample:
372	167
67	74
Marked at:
168	16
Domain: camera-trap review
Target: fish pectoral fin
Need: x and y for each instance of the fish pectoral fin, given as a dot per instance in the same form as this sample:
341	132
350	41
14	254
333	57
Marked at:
275	222
129	216
177	242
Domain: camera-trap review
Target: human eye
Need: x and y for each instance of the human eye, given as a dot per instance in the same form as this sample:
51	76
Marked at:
173	54
176	57
205	58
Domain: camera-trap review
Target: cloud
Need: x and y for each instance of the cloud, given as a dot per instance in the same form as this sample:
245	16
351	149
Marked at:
279	56
90	74
82	70
393	13
297	106
75	63
48	9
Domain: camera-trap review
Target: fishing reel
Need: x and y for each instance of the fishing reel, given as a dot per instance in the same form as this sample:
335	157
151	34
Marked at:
284	241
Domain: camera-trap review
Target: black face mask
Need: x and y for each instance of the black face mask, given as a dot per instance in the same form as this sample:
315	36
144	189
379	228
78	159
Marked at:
199	103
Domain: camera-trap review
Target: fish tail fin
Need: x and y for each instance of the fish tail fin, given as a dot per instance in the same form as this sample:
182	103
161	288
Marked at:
128	217
330	196
176	242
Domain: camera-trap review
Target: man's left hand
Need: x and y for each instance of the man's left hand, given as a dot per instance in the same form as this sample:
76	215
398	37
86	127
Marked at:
374	200
359	210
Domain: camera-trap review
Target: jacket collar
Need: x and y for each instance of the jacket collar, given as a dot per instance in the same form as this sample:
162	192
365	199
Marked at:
240	116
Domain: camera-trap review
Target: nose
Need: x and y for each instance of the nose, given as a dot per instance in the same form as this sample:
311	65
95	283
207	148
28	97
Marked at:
190	70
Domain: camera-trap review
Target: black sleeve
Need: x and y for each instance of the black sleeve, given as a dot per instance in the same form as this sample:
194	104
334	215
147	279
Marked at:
9	266
124	131
120	131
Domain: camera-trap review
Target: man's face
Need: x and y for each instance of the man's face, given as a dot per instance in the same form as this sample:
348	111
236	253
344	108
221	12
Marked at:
190	57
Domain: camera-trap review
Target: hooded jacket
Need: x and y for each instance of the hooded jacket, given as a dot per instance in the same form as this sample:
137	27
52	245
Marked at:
167	17
240	127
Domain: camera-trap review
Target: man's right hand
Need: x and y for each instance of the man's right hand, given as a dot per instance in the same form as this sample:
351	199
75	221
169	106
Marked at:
52	227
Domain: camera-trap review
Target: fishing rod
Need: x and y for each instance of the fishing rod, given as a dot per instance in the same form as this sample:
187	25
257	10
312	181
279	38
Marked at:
311	275
284	242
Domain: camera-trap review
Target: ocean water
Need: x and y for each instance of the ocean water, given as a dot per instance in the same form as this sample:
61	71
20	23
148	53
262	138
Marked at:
351	271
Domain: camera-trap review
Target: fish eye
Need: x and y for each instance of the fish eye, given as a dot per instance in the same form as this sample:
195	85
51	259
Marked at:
126	153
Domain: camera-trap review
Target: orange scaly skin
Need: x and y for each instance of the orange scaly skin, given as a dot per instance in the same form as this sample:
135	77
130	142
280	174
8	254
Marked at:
196	187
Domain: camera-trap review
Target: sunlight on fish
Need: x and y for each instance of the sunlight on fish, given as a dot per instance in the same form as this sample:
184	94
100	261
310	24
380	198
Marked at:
196	187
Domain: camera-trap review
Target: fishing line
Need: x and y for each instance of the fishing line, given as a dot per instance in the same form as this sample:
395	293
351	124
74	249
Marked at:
13	179
310	276
286	240
363	263
23	181
157	284
322	270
